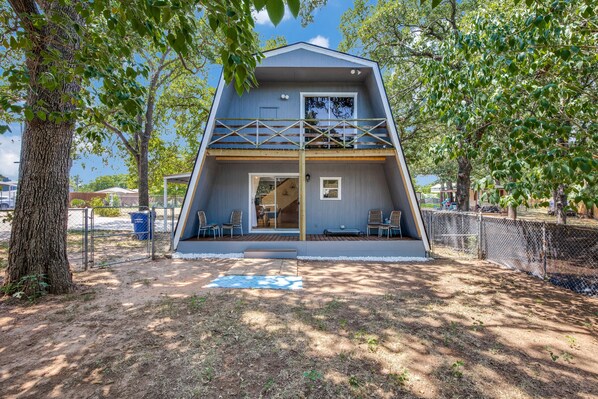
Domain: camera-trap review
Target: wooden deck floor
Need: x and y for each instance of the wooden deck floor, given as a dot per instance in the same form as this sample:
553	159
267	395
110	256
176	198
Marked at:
295	237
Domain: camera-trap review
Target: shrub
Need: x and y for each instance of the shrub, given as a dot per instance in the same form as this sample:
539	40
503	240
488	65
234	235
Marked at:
29	287
100	208
78	203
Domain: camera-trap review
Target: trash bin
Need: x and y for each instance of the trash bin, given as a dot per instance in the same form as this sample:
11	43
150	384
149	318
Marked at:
141	225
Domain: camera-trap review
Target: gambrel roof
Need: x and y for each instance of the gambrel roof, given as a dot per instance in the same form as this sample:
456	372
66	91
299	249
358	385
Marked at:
305	55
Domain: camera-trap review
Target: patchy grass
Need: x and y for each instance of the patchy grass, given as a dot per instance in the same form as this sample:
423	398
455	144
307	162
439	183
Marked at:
429	330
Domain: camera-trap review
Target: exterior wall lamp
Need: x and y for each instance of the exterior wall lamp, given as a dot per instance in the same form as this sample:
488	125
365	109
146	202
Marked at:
307	177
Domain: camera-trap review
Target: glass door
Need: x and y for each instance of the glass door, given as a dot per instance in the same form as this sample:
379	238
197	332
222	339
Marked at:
275	203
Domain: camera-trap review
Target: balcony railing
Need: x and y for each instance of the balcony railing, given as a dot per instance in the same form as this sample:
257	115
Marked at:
300	134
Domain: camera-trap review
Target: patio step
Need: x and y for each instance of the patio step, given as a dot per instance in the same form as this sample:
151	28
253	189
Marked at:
278	253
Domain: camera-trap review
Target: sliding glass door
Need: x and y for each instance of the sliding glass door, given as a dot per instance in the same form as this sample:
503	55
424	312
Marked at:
274	202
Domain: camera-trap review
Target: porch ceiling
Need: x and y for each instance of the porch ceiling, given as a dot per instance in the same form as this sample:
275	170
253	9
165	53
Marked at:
379	154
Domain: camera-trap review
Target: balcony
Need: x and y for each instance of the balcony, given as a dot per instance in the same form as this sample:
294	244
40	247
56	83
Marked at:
295	134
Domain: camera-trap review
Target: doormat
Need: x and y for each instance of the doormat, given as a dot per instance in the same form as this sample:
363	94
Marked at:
258	282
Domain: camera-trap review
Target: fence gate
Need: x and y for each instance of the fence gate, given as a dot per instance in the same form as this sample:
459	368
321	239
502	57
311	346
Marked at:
120	235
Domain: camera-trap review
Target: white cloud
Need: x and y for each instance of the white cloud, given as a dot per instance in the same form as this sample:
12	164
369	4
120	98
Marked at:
320	41
10	152
261	17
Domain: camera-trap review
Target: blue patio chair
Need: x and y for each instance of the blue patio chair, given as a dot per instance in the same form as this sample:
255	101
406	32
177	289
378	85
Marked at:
374	220
205	226
393	225
236	222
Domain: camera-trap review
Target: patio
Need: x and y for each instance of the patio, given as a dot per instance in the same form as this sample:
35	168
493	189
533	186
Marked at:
295	237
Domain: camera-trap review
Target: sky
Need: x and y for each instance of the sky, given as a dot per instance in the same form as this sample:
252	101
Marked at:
323	32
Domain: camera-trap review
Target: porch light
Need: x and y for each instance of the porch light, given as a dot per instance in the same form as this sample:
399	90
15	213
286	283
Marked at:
355	71
284	96
307	177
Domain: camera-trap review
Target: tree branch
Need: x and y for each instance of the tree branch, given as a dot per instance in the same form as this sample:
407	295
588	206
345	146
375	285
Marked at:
122	138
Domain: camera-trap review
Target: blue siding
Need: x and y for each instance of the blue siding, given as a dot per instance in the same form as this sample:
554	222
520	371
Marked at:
304	58
268	95
225	187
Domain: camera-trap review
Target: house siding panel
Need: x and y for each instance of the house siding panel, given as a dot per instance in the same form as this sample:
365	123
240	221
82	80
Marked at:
202	197
268	95
304	58
399	197
365	186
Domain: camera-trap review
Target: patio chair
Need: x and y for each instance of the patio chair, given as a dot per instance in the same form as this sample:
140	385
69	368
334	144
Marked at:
205	226
374	220
236	222
395	224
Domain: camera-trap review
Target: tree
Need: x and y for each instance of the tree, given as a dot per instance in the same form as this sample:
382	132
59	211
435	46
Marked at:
403	36
531	81
167	72
274	42
64	50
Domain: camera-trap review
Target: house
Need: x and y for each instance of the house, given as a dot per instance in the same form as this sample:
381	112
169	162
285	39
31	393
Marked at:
476	197
304	156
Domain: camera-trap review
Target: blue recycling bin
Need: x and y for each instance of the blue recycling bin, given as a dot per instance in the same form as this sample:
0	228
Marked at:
141	225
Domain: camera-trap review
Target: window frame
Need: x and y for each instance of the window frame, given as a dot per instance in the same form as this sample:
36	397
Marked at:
322	188
327	94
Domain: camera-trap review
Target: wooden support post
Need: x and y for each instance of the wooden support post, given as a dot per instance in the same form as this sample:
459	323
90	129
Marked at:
302	188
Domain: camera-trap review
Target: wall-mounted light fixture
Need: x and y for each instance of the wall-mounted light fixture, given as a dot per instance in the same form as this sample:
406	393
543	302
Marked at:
307	177
355	71
284	96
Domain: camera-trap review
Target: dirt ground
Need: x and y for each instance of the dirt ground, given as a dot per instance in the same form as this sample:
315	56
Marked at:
439	329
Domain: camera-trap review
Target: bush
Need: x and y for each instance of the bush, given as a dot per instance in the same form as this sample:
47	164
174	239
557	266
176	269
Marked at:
78	203
99	208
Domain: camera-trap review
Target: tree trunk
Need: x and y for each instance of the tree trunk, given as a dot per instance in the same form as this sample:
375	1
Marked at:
560	202
512	212
38	242
143	172
463	183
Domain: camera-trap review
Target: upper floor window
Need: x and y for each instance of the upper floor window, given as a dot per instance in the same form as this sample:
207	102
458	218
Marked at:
322	106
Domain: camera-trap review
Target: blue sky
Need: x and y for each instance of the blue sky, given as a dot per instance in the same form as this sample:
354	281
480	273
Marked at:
323	31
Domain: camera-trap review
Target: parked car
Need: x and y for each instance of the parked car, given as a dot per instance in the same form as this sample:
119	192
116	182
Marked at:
7	203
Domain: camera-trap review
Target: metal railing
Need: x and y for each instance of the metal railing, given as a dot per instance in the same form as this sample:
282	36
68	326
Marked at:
236	133
104	236
564	255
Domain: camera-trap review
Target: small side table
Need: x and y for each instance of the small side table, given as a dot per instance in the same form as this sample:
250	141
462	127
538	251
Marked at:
217	230
384	227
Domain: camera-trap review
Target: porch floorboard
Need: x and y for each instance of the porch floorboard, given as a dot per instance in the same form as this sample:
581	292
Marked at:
295	237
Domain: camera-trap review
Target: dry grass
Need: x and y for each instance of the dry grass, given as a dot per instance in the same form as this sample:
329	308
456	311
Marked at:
432	330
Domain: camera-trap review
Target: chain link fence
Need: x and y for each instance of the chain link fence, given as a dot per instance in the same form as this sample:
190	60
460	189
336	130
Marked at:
104	236
565	255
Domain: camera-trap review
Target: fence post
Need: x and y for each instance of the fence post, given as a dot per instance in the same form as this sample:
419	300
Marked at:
431	230
480	246
172	229
85	238
544	248
152	232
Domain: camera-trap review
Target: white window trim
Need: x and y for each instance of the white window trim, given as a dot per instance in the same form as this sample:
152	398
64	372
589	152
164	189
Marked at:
327	94
251	205
340	186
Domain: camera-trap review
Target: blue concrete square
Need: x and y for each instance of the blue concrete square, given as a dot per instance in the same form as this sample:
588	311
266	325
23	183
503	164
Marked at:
259	282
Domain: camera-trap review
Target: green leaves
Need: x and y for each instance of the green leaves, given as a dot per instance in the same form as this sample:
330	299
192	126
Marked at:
29	115
294	6
275	9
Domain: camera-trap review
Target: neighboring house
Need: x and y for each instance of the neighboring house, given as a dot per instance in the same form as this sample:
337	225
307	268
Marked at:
475	196
312	148
116	190
126	197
